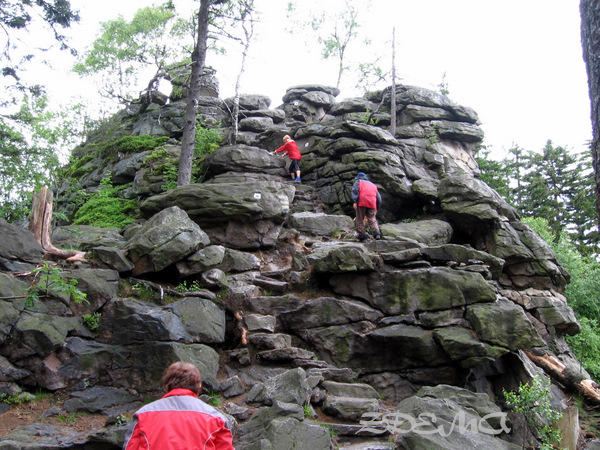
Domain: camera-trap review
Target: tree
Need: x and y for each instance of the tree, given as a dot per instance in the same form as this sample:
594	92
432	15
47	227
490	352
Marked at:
493	173
581	208
553	185
241	14
30	143
188	137
335	29
154	39
590	36
17	15
550	181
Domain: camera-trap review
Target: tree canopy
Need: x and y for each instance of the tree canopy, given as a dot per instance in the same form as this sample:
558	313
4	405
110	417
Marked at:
16	15
552	184
156	38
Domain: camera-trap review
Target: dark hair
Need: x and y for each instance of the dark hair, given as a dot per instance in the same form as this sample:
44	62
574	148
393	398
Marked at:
182	375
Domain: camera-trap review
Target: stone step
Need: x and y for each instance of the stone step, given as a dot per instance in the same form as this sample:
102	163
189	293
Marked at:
268	341
284	354
349	408
355	390
341	375
260	322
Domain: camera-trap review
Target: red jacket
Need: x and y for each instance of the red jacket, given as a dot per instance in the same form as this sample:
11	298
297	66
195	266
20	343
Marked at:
292	150
177	421
365	193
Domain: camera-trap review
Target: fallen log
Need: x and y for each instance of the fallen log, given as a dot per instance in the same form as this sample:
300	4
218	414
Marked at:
40	226
561	373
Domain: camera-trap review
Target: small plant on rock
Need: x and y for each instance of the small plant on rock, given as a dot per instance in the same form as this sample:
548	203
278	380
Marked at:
188	287
533	401
48	281
92	321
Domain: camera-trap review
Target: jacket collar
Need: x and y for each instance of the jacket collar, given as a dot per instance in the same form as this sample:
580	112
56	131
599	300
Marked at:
179	391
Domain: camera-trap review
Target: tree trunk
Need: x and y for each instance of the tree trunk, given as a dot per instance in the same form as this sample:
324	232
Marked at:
558	371
188	137
590	36
39	225
393	98
248	32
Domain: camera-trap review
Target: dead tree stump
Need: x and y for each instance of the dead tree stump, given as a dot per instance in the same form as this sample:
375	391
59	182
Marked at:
40	226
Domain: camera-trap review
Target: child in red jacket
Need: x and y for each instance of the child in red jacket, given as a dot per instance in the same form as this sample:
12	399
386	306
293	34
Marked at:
291	149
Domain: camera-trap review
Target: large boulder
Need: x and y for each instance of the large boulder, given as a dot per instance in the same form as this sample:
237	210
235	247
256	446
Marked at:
19	250
430	232
469	202
243	158
288	387
327	311
359	345
283	427
167	237
504	324
320	224
190	320
245	215
340	258
407	291
218	257
434	413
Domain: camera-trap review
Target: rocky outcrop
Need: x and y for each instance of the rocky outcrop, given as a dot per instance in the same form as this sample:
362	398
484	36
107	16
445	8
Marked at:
261	283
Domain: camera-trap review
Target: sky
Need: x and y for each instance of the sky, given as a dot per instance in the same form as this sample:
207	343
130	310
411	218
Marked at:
517	63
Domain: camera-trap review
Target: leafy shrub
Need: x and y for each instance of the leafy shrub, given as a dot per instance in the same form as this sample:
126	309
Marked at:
207	140
133	144
582	294
105	209
586	346
48	281
164	164
533	401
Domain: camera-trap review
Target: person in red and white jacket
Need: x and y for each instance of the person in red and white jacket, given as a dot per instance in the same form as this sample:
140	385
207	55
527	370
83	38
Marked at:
291	149
179	419
367	201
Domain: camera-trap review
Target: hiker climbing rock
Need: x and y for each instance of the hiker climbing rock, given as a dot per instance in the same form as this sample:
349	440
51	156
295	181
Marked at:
367	200
290	148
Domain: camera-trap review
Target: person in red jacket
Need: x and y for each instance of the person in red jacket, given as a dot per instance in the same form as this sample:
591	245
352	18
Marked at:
179	419
367	200
291	149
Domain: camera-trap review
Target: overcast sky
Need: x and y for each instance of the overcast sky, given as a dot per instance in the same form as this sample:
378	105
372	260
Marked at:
518	63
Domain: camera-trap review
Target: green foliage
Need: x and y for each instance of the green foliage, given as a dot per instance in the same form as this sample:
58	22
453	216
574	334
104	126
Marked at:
162	163
582	293
17	16
121	420
155	37
106	209
188	287
553	184
92	321
49	281
215	400
308	412
207	139
533	401
586	345
334	29
32	140
71	417
133	144
443	86
494	173
16	399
